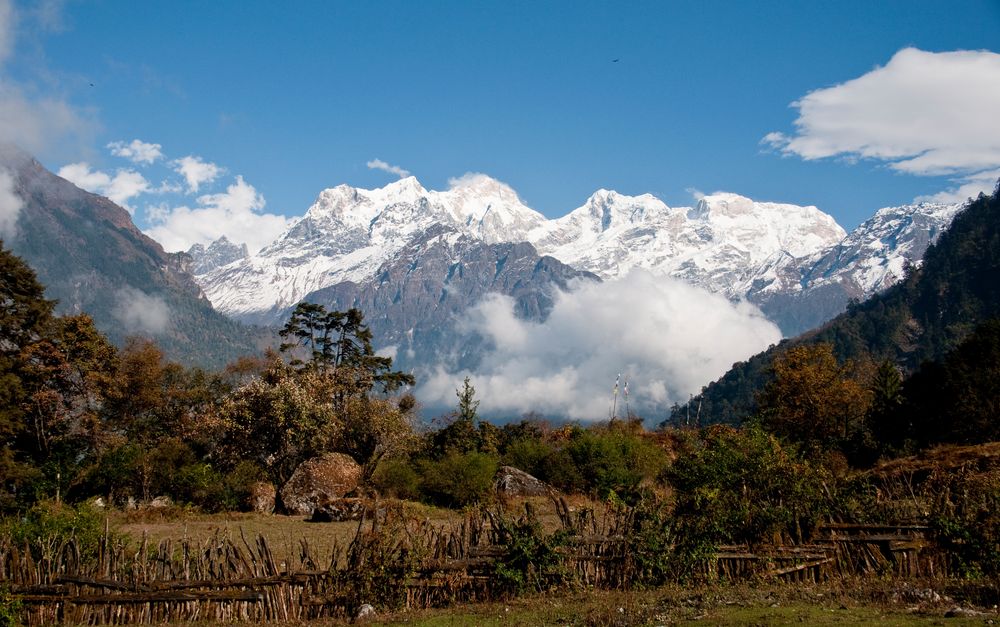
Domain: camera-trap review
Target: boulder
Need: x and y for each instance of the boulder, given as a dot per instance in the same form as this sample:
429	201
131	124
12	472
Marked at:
510	481
319	481
262	496
365	613
160	502
340	510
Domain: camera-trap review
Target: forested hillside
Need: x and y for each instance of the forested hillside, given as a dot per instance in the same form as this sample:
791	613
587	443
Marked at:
922	318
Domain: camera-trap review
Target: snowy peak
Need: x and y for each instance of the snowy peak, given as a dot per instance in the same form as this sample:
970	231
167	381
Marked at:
489	209
221	252
727	243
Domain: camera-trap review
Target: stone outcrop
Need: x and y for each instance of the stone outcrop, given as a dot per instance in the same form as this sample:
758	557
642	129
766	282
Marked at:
262	497
320	481
510	481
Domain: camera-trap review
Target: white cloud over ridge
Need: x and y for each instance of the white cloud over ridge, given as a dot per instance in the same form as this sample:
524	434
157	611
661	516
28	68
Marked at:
378	164
125	184
923	113
10	206
141	313
668	337
137	151
196	171
235	213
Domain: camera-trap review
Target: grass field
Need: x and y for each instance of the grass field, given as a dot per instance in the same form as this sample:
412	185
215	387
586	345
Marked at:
859	602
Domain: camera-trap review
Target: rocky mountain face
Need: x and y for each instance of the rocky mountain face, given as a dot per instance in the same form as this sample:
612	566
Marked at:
92	258
219	253
803	293
348	233
416	297
796	263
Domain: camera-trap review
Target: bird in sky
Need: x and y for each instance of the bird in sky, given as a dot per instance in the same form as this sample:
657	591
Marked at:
615	60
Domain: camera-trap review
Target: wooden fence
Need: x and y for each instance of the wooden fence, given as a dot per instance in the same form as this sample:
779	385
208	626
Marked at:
415	563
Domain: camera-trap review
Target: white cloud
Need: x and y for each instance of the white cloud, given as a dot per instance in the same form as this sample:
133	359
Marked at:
235	213
923	113
966	187
125	184
141	313
137	151
10	206
696	193
196	171
378	164
668	337
36	124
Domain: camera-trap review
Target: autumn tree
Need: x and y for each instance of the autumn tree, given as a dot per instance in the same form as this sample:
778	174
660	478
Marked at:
276	421
812	398
374	429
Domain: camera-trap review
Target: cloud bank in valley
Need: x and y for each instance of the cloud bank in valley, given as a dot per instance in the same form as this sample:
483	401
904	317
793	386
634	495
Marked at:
923	113
667	337
10	206
141	313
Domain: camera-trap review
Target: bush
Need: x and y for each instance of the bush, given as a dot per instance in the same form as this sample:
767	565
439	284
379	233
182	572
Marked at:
47	526
742	486
529	456
965	515
397	478
10	609
457	479
531	558
614	462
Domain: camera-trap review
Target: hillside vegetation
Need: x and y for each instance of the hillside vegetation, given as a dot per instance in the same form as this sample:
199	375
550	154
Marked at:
921	319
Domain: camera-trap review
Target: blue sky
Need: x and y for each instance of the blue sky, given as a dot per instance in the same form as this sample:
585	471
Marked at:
296	97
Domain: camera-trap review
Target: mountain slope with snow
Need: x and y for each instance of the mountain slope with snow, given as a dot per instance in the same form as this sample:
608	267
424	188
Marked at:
794	262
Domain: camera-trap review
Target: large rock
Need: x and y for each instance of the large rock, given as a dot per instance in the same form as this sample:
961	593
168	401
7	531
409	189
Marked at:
513	482
319	481
340	510
262	496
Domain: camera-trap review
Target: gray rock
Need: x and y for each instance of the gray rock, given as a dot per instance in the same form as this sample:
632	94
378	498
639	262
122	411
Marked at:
365	612
340	511
963	612
262	497
161	501
319	481
510	481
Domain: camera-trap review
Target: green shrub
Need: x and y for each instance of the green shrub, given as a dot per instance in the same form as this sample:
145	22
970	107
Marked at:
741	486
49	525
457	479
397	478
615	462
531	558
10	609
965	515
239	482
529	456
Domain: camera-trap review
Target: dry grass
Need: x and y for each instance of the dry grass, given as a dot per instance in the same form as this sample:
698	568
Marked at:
284	533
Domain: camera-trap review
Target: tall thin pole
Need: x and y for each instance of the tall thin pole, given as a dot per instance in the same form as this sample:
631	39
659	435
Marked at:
614	397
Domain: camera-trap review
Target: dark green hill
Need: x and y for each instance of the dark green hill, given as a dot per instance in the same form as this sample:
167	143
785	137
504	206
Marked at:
92	258
925	316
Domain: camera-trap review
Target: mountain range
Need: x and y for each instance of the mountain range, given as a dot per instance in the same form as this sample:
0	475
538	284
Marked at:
416	261
795	263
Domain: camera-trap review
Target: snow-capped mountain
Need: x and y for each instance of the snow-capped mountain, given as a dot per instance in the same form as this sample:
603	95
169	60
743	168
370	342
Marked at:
795	262
799	294
718	244
349	232
219	253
